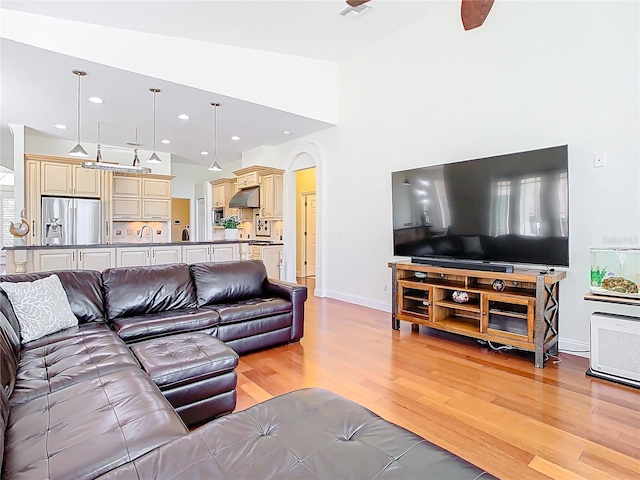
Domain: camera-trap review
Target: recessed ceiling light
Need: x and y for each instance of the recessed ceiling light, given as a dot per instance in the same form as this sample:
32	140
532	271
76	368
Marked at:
96	100
286	132
183	116
61	126
204	153
235	138
166	142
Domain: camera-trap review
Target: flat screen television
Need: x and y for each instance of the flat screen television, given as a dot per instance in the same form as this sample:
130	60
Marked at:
486	213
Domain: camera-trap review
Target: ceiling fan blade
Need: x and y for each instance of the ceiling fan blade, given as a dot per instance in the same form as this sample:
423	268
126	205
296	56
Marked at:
356	3
474	12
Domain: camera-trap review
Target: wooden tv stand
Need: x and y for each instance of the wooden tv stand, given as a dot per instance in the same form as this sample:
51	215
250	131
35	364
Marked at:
524	315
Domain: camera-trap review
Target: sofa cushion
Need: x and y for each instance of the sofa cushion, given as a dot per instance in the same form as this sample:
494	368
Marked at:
164	323
133	291
89	428
310	434
184	358
92	352
228	281
41	307
4	419
83	288
9	355
251	309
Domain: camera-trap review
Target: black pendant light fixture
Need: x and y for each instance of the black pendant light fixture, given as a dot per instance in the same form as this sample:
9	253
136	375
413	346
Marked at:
78	151
215	166
154	158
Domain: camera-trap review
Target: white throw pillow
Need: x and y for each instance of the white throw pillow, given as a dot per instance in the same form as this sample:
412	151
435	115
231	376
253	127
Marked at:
41	307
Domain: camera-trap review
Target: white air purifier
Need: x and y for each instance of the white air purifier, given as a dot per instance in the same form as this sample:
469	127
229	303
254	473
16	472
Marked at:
615	348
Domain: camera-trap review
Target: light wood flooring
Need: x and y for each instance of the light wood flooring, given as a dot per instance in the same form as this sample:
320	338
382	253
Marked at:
494	409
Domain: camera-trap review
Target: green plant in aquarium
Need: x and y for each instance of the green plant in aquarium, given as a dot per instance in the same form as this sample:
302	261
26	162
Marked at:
597	275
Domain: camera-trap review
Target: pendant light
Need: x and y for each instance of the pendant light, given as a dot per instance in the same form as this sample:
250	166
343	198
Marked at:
78	151
154	157
215	166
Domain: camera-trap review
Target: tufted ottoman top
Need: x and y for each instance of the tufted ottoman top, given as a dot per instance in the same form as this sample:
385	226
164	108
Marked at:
184	358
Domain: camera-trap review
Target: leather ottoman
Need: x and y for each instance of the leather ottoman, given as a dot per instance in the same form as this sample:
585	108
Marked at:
194	371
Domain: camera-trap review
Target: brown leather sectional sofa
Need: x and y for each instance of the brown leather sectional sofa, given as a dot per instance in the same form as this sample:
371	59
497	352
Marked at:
77	404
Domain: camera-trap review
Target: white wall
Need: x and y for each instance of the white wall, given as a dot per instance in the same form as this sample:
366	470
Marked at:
537	74
293	84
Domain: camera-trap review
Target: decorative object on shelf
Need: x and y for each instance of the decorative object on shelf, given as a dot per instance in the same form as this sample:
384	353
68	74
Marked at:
420	275
154	158
19	229
78	151
498	285
460	296
215	166
230	225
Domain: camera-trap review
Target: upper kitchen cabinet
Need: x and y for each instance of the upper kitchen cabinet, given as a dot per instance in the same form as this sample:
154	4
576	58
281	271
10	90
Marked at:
248	179
271	196
145	197
270	181
223	189
68	178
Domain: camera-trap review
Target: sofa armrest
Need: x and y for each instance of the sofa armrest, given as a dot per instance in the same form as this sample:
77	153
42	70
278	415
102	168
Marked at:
296	294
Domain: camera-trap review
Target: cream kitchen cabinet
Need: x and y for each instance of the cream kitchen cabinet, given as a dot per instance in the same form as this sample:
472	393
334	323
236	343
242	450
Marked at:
70	259
140	198
156	209
271	256
133	256
249	179
127	186
69	179
156	188
166	255
271	196
48	260
126	208
225	252
196	253
219	252
223	189
96	258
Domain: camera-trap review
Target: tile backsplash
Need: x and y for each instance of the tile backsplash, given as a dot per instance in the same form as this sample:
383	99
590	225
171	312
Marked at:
127	232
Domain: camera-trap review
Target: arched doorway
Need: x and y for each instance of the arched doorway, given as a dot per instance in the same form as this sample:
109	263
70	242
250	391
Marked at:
305	156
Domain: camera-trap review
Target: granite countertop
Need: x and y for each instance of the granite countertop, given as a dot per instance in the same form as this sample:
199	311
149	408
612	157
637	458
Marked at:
128	245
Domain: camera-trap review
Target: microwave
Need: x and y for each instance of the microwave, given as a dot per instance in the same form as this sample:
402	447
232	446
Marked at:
218	214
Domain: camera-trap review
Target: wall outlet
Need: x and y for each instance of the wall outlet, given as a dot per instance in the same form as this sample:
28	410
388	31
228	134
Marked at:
598	160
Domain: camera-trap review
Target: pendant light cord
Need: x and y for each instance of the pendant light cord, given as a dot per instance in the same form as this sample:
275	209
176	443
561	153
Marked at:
215	133
78	129
154	121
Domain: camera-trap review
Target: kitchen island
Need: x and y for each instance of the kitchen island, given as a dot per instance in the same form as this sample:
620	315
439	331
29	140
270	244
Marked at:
30	259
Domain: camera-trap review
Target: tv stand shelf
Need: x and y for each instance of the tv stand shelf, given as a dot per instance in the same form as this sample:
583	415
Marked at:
524	315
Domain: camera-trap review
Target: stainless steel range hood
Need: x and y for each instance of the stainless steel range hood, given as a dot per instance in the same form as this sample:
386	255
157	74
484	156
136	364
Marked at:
247	198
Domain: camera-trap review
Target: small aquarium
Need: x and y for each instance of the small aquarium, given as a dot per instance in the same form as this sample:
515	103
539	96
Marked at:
615	271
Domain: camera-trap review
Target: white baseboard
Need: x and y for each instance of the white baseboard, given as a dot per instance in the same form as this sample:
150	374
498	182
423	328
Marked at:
358	300
580	349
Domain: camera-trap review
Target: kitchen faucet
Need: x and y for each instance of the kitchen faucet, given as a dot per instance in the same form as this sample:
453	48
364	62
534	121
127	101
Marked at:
142	231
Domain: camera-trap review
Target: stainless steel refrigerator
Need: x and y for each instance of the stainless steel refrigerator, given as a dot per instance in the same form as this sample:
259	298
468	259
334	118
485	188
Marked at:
70	221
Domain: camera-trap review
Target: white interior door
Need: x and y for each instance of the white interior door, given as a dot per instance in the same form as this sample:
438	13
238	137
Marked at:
310	237
200	220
